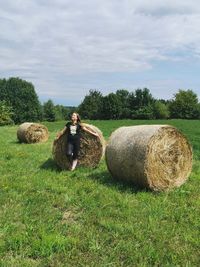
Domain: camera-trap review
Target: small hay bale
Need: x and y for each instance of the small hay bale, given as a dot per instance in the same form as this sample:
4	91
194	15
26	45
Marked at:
29	132
92	149
157	157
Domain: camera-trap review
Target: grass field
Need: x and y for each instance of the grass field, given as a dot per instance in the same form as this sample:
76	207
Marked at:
50	217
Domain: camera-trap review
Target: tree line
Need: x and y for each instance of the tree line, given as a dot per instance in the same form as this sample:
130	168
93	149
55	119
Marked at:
19	103
139	104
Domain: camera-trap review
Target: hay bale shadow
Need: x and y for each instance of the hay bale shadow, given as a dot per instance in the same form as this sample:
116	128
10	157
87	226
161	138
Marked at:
18	142
15	142
50	164
105	178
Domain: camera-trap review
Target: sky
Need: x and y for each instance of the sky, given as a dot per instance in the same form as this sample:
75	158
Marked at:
65	48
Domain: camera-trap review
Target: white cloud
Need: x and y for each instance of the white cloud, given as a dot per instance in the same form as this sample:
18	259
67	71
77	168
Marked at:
53	42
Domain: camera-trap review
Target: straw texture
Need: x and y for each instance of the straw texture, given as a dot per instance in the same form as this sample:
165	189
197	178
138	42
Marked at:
158	157
29	132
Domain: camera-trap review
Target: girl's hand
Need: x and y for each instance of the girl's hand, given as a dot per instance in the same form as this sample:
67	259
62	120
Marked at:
95	134
88	131
58	135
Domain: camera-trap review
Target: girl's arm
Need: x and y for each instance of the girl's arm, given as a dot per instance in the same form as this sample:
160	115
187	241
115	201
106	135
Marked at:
88	131
61	132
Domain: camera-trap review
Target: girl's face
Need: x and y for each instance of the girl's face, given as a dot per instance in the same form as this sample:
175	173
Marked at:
74	117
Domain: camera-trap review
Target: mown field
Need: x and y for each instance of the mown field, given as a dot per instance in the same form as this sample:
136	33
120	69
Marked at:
50	217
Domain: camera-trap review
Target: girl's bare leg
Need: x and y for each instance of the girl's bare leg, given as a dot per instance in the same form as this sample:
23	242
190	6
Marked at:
74	163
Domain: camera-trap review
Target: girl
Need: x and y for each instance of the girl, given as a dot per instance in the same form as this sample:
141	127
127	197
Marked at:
73	137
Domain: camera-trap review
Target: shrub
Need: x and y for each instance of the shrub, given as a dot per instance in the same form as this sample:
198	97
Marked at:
5	114
160	110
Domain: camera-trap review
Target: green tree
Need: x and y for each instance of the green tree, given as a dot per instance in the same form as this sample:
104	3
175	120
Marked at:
63	112
123	97
111	108
49	113
141	104
142	98
21	96
160	110
143	113
5	114
185	105
90	108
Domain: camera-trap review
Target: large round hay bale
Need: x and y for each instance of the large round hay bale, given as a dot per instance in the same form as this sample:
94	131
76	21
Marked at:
92	149
158	157
29	132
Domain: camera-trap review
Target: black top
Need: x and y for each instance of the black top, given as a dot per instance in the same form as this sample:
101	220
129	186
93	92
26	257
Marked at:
73	131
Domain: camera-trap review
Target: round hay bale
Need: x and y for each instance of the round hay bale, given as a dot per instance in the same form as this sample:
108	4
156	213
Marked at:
157	157
92	149
29	132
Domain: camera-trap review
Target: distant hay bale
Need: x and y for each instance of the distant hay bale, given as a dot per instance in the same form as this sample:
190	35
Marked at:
158	157
92	149
29	132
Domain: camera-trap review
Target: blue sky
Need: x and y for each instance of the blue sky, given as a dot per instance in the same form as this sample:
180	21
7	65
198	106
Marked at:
67	47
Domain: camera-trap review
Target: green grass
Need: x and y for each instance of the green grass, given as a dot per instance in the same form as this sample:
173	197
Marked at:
50	217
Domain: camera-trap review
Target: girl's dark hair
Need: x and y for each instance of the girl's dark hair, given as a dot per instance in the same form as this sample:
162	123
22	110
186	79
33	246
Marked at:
78	118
